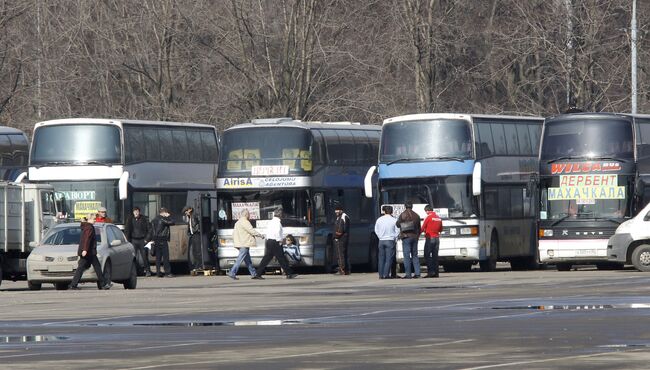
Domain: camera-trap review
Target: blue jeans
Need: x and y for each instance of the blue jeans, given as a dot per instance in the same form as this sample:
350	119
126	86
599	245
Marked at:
410	252
245	256
386	253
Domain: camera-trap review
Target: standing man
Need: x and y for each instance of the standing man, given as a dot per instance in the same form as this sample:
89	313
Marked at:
138	232
341	239
102	216
194	252
273	247
87	253
160	236
244	237
409	225
431	227
387	232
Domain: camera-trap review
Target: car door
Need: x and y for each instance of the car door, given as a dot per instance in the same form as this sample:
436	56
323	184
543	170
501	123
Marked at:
120	255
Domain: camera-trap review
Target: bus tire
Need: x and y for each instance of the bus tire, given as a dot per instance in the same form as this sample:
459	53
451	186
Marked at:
490	264
33	286
329	253
61	286
609	266
641	258
457	266
373	254
563	266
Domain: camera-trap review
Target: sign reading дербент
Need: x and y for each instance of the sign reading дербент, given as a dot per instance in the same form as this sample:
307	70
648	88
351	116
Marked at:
587	187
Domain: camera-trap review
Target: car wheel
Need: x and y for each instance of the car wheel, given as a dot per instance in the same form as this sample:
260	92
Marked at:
108	274
563	266
33	286
641	258
132	281
61	286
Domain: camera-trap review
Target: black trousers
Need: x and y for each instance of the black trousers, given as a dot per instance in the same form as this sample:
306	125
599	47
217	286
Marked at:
194	254
341	245
272	248
162	255
141	254
431	246
83	265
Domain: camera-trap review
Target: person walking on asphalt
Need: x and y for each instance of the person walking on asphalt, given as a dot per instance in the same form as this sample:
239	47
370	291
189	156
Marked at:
431	227
409	225
387	232
87	252
273	247
243	238
160	236
138	232
342	239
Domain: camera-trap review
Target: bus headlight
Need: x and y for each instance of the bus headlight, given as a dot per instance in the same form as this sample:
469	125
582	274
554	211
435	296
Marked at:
473	230
545	232
304	239
223	242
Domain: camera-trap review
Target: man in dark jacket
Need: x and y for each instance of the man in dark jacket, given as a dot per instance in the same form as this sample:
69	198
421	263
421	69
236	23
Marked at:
138	231
341	240
409	224
87	253
160	236
194	253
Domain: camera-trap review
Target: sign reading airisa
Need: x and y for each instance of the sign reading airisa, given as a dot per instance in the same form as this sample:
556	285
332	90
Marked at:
263	182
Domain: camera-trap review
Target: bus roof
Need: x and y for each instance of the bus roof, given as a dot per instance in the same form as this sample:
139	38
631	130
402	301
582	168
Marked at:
307	125
6	130
595	115
430	116
116	122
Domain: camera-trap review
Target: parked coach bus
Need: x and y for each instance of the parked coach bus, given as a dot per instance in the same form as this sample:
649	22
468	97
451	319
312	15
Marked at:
120	164
14	151
594	172
477	172
306	169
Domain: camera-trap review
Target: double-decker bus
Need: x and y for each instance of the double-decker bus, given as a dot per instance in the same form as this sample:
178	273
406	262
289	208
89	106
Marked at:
305	168
478	173
594	168
120	164
14	152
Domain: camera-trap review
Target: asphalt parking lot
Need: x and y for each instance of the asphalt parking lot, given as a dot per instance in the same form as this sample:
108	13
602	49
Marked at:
535	320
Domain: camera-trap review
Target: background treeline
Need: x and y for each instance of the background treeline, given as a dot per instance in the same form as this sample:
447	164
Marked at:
226	61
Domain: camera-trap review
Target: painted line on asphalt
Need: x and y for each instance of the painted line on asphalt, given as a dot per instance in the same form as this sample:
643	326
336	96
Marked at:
298	355
506	364
82	320
499	317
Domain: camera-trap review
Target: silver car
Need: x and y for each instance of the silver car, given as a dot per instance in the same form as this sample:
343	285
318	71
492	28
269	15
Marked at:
55	259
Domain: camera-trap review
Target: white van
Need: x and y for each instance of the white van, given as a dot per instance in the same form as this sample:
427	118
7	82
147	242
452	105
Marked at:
631	242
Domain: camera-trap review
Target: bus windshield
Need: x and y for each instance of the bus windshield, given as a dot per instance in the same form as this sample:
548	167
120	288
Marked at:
587	139
261	204
79	198
432	139
266	146
76	144
452	194
556	209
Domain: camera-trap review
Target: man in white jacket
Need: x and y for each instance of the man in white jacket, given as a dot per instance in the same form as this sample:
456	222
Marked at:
243	238
273	248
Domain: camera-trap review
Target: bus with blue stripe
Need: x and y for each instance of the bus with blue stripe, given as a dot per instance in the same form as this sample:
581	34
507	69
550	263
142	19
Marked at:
305	168
478	172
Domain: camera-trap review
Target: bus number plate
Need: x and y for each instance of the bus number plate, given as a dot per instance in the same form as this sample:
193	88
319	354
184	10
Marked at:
586	252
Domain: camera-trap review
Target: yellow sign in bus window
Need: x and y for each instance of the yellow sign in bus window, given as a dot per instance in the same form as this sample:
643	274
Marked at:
289	157
83	209
234	160
251	158
305	160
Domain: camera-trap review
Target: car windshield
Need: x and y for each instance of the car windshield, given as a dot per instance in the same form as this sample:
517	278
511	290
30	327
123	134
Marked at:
69	235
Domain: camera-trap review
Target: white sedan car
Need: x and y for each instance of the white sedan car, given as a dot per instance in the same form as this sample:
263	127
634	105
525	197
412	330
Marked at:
55	259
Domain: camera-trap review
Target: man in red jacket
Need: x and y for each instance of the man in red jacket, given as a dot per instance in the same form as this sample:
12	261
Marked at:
87	253
431	227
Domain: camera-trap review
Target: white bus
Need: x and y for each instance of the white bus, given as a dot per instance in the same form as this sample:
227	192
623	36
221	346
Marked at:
120	164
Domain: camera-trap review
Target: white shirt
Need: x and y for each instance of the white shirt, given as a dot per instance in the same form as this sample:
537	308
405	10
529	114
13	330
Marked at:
385	228
274	229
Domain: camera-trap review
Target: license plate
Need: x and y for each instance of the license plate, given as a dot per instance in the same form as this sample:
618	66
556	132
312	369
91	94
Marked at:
586	252
60	268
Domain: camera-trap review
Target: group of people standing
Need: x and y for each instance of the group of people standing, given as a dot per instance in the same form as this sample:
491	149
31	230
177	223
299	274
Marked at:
408	227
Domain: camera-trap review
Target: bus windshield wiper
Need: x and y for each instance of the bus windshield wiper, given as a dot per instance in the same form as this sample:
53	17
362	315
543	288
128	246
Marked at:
608	219
606	158
53	163
425	159
601	158
560	220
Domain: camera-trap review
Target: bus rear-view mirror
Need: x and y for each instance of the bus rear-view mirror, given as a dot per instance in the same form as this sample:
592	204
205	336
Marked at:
123	185
367	182
476	179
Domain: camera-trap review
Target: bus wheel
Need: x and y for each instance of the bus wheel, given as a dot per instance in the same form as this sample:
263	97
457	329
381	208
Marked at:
563	266
609	266
457	266
641	258
490	264
524	263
